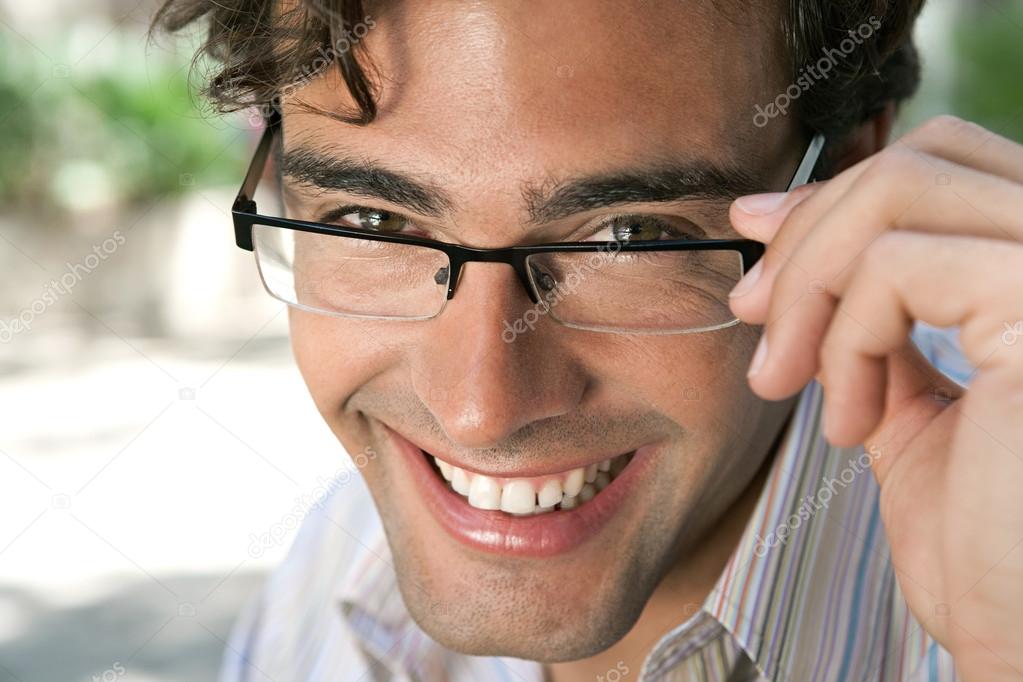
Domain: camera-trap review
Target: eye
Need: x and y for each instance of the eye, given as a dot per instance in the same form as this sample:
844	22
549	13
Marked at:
637	227
365	218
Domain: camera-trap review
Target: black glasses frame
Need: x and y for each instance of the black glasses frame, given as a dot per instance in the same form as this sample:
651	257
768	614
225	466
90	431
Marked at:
245	215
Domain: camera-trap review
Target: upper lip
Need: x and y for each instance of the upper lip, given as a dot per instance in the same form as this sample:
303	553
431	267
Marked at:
546	469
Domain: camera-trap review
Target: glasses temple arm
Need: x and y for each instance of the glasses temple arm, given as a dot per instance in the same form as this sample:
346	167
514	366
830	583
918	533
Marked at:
244	201
804	172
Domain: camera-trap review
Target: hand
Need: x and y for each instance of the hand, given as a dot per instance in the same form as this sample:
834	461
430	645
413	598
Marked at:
928	229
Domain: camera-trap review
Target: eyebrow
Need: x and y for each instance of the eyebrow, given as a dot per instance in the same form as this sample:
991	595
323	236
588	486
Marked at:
330	172
544	202
662	183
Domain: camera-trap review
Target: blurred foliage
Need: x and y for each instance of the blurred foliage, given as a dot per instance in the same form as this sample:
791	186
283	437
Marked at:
988	86
119	125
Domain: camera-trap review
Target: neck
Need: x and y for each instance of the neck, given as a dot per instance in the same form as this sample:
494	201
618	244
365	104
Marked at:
681	592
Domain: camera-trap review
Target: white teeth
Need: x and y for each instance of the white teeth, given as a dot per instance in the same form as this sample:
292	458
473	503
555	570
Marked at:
445	468
550	494
520	497
516	498
460	481
587	493
574	482
484	493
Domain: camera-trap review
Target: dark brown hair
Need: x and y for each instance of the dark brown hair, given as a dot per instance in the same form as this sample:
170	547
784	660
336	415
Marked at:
260	47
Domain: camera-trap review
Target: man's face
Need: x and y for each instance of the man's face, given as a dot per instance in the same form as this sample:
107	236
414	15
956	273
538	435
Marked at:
493	103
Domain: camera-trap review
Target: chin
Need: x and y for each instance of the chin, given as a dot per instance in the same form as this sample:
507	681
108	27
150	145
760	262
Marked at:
540	617
558	584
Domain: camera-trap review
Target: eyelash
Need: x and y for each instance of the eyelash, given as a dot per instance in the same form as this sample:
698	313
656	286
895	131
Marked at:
605	223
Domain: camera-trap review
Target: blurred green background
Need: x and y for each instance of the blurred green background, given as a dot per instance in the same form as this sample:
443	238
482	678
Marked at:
987	86
113	125
142	443
122	128
121	124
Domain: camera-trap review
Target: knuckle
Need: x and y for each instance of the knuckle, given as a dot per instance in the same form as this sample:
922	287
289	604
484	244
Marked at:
939	128
788	277
895	161
883	251
942	123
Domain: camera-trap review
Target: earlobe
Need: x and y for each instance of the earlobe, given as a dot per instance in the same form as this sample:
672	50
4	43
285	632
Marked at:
870	138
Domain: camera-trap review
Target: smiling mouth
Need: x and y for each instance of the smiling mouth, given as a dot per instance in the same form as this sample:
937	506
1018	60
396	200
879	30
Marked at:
520	516
534	495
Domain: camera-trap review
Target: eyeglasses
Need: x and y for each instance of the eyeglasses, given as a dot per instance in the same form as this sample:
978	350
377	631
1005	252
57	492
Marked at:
636	287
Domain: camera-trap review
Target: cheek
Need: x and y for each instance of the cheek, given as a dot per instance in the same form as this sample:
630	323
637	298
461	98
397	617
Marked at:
697	380
336	356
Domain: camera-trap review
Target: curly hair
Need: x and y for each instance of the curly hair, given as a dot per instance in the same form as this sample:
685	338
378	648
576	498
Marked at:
261	46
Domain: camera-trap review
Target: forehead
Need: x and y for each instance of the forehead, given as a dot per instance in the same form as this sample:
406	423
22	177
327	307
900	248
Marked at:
509	88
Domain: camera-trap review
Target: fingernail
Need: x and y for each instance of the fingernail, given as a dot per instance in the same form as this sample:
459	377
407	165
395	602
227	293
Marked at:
748	281
759	356
761	204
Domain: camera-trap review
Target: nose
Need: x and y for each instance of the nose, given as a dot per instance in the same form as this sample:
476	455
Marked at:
490	363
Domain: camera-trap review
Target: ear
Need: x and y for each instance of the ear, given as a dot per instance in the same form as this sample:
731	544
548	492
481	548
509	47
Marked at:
869	138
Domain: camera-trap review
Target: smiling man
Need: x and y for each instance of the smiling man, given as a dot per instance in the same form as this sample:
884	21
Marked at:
514	249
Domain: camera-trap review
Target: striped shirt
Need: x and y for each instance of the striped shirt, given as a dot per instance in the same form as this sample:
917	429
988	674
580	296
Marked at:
809	593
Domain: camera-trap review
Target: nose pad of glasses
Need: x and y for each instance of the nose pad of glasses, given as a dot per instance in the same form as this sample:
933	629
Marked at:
542	279
441	276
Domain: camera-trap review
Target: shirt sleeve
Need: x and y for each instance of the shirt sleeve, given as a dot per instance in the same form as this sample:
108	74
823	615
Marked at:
240	649
294	629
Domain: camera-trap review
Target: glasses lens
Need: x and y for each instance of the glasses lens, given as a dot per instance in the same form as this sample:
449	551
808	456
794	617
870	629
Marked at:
349	276
639	291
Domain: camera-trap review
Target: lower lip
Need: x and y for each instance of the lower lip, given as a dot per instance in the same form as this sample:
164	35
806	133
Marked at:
543	535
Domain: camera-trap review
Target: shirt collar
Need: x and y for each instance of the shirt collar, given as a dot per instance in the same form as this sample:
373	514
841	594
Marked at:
374	609
806	591
372	605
